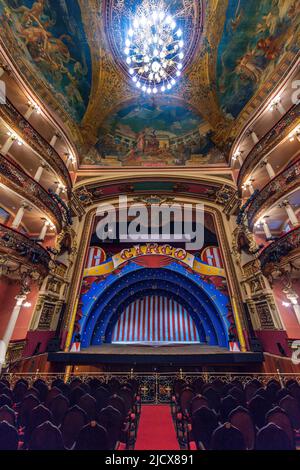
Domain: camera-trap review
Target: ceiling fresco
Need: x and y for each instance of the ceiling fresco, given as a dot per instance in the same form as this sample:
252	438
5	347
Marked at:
155	133
52	37
71	52
256	36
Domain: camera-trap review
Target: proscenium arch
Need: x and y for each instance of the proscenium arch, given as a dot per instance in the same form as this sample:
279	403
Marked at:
110	301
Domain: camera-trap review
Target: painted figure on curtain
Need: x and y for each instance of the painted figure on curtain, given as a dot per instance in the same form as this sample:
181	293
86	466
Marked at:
256	37
152	134
52	36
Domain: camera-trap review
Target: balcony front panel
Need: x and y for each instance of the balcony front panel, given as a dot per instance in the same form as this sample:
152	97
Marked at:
280	249
22	184
20	248
281	185
29	135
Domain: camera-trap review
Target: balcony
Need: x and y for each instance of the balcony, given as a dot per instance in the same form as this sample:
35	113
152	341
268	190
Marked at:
23	250
279	249
22	127
22	184
278	187
272	138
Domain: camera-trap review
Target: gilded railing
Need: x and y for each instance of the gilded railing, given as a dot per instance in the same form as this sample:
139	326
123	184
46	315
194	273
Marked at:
22	127
280	248
156	387
280	131
24	185
282	184
23	248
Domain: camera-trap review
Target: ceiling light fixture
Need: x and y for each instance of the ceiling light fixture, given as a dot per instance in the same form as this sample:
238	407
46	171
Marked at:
154	50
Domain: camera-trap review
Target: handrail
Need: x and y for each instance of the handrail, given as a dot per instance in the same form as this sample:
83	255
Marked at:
280	248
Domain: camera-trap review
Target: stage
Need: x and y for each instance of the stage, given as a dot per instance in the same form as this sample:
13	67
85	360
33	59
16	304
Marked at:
175	355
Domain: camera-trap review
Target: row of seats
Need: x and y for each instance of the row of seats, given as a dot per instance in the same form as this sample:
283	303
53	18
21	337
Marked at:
231	416
88	415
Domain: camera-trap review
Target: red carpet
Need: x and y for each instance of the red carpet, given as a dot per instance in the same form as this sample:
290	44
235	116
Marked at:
156	429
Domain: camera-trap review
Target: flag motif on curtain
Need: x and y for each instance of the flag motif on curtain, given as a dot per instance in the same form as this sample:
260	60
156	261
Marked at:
95	257
212	256
155	319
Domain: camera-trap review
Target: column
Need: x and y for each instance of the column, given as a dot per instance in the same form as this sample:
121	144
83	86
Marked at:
250	186
290	212
4	342
59	189
269	168
253	136
6	147
266	229
43	232
293	298
39	172
19	216
29	111
54	140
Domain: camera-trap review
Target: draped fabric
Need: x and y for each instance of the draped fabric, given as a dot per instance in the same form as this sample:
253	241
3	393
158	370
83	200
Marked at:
155	319
212	256
95	257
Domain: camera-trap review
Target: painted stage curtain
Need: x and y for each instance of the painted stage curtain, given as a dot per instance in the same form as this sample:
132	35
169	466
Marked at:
155	319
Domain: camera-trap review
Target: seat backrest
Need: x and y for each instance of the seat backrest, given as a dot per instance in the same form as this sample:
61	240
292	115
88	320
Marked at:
75	395
204	422
228	404
9	438
59	406
251	388
271	437
258	408
39	415
292	408
46	437
7	414
117	402
92	437
42	387
54	392
19	391
73	421
101	396
89	405
185	398
240	418
5	400
227	437
213	397
26	406
197	402
111	419
279	417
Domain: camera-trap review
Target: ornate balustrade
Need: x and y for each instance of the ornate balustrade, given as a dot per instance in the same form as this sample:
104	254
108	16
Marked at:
280	131
22	127
23	249
282	184
15	178
155	387
280	248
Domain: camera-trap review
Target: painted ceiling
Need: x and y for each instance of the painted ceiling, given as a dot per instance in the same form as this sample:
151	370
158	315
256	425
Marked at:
71	53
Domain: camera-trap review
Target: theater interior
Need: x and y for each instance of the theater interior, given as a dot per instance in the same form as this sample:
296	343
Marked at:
185	336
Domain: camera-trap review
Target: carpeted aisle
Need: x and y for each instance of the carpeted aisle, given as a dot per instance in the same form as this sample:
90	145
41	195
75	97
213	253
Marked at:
156	429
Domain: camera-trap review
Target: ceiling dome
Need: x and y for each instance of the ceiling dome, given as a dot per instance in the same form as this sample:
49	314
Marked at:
185	16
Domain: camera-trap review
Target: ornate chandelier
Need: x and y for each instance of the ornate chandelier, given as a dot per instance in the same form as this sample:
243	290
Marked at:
154	49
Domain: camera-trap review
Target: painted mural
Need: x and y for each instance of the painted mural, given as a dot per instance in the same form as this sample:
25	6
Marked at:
256	37
52	36
155	134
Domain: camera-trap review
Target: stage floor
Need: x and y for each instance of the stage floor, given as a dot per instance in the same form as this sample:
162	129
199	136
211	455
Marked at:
138	354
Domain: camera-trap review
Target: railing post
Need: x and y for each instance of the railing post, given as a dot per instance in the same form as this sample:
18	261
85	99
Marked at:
280	378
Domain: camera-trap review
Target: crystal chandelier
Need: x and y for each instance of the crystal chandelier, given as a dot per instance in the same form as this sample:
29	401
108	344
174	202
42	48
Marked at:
154	50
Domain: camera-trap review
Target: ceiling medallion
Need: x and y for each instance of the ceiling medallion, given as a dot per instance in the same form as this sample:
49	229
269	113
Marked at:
154	48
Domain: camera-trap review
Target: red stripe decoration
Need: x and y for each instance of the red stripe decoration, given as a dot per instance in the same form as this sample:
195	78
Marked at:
212	256
95	257
155	319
